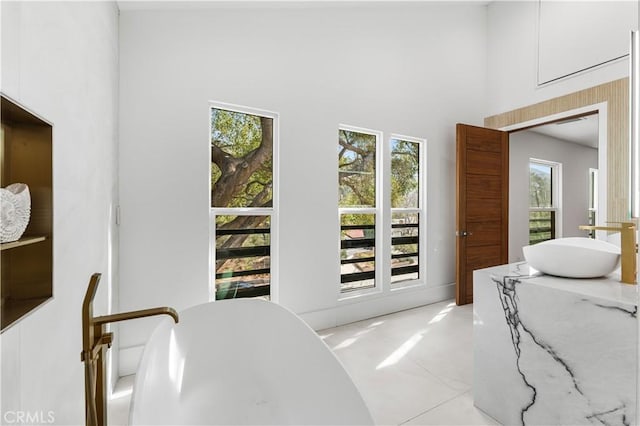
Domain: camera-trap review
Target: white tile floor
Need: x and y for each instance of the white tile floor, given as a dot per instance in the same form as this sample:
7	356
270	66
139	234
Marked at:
412	367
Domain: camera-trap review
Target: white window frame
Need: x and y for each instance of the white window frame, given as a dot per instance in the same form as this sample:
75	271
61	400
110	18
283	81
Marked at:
556	193
420	210
379	235
383	213
272	212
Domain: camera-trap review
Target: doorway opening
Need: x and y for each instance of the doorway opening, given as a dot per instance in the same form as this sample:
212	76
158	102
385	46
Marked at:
553	186
482	192
610	101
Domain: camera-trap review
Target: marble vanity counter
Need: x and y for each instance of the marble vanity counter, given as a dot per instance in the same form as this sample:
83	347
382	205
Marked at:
552	351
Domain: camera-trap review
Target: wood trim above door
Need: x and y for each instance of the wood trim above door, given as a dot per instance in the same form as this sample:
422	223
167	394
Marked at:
616	95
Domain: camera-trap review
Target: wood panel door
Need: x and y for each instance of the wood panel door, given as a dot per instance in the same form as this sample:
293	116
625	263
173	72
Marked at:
482	204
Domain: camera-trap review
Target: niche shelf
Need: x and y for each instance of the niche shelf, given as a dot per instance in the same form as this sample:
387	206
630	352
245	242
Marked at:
24	241
26	271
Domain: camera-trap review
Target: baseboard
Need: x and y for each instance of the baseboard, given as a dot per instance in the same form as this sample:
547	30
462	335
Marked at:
359	309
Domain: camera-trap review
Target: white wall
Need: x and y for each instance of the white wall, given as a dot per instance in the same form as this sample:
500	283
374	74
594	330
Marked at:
578	35
575	159
512	30
60	60
413	69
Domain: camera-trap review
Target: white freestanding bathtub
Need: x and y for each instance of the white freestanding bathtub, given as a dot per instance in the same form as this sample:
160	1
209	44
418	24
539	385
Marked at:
243	361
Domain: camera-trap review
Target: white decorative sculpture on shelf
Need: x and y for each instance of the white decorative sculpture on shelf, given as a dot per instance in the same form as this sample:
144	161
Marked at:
15	209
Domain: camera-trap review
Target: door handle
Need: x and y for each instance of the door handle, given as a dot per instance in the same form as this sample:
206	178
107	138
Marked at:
463	234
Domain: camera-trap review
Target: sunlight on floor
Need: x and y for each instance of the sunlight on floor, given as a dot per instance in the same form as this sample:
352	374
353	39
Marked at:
345	343
416	368
443	313
351	340
404	349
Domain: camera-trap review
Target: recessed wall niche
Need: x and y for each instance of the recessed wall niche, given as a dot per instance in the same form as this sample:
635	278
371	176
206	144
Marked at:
26	274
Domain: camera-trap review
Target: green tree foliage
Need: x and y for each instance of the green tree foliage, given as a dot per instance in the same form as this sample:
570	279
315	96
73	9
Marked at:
357	175
241	159
241	174
541	223
356	169
405	169
539	186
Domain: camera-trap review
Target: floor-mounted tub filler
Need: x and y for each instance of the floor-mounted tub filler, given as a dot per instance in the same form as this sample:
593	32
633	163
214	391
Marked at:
96	340
243	361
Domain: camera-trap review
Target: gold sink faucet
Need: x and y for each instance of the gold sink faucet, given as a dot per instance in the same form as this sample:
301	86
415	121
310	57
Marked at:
95	342
628	248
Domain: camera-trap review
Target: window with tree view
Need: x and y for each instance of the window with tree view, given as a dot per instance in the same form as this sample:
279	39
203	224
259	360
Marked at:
405	210
357	182
241	202
543	208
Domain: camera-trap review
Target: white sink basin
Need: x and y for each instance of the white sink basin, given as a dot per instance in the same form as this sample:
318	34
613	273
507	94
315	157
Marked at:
573	257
